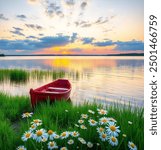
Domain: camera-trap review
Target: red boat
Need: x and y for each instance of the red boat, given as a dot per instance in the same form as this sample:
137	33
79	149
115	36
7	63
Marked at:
56	90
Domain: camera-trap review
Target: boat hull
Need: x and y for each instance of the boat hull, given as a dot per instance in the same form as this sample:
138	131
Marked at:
55	91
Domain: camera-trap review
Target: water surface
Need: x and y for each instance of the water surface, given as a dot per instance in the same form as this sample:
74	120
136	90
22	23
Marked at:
105	79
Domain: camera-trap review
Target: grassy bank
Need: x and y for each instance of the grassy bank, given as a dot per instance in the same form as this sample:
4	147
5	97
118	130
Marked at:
63	116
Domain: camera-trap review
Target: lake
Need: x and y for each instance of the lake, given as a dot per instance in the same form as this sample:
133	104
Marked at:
103	79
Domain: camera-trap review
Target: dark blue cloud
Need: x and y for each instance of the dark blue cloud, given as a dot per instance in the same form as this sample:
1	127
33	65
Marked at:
87	40
129	45
34	26
44	42
22	17
2	17
17	31
104	43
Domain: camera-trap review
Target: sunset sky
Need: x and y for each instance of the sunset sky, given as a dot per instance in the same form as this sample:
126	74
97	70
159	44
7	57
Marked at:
71	26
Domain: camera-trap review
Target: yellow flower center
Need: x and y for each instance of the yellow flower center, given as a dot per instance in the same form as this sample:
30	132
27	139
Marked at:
104	135
50	132
32	126
27	114
113	128
51	144
74	133
132	145
36	121
92	121
27	135
39	133
101	129
64	134
21	149
113	139
104	120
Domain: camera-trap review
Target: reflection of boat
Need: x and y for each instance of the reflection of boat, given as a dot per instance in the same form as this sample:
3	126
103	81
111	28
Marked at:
56	90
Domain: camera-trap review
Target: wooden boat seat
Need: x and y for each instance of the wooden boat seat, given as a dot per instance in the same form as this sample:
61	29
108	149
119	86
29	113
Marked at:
56	88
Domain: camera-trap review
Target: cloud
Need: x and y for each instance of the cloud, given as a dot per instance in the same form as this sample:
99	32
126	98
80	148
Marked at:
83	5
31	37
44	42
104	43
33	26
17	31
101	20
129	45
87	40
21	17
77	50
70	2
33	1
74	37
83	24
2	17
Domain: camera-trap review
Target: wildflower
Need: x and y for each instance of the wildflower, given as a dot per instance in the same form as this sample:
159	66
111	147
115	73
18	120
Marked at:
112	120
80	121
91	111
112	130
84	116
33	127
44	139
27	135
113	141
39	135
64	135
103	120
129	122
124	135
132	146
103	136
98	144
56	136
74	134
83	127
27	115
36	122
52	145
70	142
92	122
102	111
51	134
21	147
76	125
100	129
63	148
82	140
90	145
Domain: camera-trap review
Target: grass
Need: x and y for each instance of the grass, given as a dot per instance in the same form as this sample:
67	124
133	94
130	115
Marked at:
22	76
62	116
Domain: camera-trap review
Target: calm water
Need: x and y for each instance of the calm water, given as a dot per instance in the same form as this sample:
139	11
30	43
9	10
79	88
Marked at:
105	79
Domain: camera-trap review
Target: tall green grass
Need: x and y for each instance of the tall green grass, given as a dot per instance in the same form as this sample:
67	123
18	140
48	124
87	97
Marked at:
62	116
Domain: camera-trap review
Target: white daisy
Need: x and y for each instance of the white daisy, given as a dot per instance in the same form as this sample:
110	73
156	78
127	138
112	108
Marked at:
103	136
103	120
51	134
80	121
70	142
112	130
64	135
83	127
21	147
82	140
36	122
74	134
63	148
39	135
113	141
44	139
132	146
32	128
102	111
92	122
90	145
91	111
52	145
56	136
27	135
84	116
27	115
100	129
112	119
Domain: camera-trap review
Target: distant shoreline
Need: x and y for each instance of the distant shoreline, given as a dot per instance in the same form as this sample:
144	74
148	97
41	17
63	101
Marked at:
128	54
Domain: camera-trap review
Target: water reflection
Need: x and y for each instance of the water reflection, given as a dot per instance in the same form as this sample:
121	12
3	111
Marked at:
105	79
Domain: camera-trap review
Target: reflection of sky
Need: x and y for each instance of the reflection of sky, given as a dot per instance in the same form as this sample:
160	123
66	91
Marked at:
103	78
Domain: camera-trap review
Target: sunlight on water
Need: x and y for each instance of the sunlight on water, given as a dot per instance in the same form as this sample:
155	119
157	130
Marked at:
105	79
